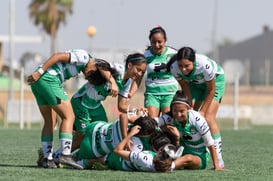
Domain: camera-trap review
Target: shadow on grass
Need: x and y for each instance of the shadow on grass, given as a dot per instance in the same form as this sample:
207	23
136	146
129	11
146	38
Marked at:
19	166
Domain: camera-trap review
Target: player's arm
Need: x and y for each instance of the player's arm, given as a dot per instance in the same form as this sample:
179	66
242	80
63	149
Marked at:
55	58
108	76
210	144
122	104
120	150
123	124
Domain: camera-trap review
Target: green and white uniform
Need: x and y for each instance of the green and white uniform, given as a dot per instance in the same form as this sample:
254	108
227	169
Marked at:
78	61
48	90
195	136
123	87
139	161
87	100
204	69
101	138
159	83
87	107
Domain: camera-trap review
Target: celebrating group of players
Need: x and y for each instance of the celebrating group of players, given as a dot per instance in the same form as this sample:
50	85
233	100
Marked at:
174	129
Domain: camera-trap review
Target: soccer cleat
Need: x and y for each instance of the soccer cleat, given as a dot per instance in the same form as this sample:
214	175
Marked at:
67	160
56	158
48	163
40	158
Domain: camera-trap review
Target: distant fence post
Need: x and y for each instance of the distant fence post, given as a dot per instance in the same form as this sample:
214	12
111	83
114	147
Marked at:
236	101
31	112
247	72
21	99
267	72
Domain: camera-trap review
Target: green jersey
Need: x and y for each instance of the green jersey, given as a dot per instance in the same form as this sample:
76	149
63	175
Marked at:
158	81
64	71
192	135
138	161
92	95
123	86
204	69
101	138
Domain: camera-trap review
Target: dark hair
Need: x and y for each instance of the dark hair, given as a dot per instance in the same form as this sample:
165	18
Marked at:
170	62
96	78
186	53
179	97
155	30
158	29
159	139
183	53
135	59
148	126
162	161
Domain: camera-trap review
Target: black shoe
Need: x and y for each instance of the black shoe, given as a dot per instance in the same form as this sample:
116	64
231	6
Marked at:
56	159
67	160
48	163
40	158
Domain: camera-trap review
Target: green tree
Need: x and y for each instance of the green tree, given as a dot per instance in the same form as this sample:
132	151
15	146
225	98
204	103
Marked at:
49	14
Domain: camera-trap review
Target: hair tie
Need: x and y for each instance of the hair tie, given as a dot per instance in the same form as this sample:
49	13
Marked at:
181	102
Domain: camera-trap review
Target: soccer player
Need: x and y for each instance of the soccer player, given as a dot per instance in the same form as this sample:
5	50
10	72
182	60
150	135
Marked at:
101	138
160	85
86	102
135	159
46	85
195	134
203	81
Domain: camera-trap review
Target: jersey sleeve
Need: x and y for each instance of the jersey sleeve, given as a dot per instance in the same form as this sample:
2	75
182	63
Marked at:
143	161
164	120
200	122
209	68
203	128
125	90
175	71
79	57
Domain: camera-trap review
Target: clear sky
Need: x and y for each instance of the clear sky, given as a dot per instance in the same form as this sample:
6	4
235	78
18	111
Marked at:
126	23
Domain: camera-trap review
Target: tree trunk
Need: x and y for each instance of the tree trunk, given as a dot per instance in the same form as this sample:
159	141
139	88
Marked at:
53	45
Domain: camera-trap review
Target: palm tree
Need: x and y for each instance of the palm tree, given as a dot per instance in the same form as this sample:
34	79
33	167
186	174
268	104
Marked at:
49	14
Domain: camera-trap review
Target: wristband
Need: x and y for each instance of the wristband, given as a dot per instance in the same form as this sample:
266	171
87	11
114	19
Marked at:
41	71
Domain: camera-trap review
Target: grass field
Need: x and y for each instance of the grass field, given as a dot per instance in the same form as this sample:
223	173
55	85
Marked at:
248	155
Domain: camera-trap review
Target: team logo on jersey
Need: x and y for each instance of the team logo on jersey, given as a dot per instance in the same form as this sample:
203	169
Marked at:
199	76
83	125
193	131
168	57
